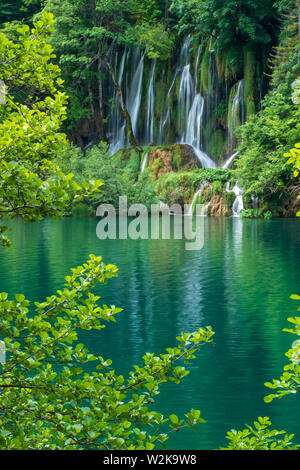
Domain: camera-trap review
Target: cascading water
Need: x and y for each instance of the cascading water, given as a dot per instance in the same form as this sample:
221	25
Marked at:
135	94
191	104
181	97
228	162
237	115
144	163
117	126
165	117
150	105
238	204
204	207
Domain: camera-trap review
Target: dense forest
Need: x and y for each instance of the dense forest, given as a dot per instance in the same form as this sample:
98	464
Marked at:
143	77
165	102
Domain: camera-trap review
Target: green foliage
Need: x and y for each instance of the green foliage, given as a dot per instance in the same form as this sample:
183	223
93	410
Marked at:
16	10
261	166
51	400
175	188
250	213
83	35
211	174
146	11
120	175
260	437
229	23
86	34
157	42
217	187
51	396
179	187
31	183
294	158
289	382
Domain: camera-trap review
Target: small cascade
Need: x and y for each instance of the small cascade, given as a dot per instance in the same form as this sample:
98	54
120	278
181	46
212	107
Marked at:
254	200
238	204
165	117
144	163
192	105
192	133
197	193
204	207
135	94
228	162
150	105
204	159
237	115
186	88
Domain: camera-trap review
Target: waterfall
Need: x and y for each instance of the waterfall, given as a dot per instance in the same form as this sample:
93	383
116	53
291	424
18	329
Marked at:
192	133
186	89
237	111
228	162
135	94
197	66
167	91
204	159
204	207
238	204
188	128
117	131
191	105
144	162
166	114
150	105
197	193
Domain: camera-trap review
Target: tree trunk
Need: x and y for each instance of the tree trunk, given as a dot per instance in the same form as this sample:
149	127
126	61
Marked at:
126	115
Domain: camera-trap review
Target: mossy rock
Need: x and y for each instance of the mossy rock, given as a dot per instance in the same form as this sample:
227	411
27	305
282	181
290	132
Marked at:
229	198
206	194
217	187
233	65
247	200
175	187
171	158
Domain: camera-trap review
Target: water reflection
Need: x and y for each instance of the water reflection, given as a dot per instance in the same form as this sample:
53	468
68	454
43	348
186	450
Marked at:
239	283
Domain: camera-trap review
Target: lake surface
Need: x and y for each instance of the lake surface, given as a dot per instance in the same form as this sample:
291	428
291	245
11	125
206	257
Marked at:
239	283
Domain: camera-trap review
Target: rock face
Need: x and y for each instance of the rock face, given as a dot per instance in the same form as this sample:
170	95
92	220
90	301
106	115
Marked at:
217	206
169	158
162	162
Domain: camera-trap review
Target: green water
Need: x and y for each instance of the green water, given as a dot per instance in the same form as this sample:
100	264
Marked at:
239	283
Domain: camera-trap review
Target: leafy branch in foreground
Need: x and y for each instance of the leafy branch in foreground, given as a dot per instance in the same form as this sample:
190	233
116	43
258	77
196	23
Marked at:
289	382
54	394
260	437
31	185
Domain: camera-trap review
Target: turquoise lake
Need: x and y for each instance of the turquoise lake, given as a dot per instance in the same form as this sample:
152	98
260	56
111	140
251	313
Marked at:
240	283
